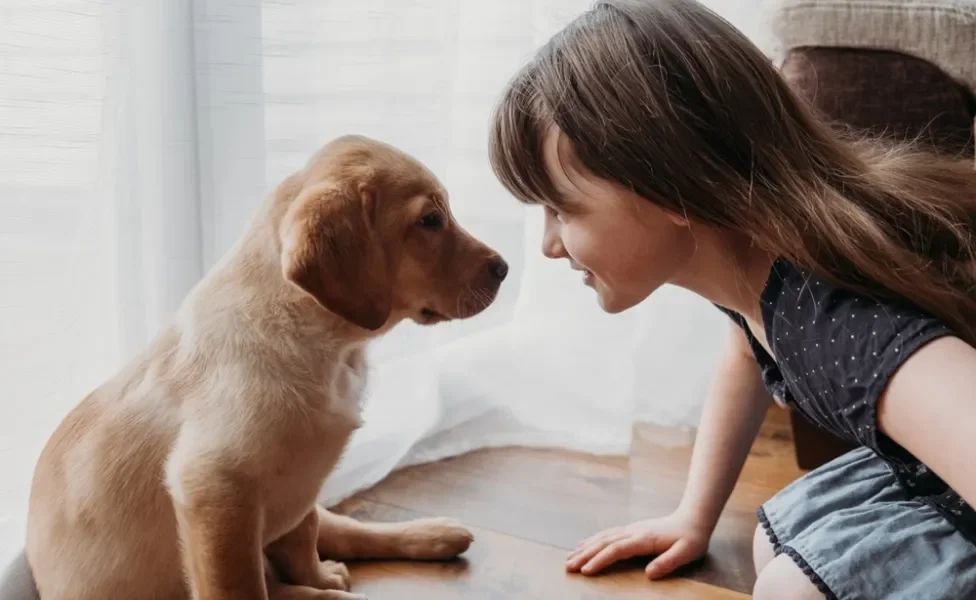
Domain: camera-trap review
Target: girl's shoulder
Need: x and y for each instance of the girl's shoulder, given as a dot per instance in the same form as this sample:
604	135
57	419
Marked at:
834	342
799	306
817	328
836	350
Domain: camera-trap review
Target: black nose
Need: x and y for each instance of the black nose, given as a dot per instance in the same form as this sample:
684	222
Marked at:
498	268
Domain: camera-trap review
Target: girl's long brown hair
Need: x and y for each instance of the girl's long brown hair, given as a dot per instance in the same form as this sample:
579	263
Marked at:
668	99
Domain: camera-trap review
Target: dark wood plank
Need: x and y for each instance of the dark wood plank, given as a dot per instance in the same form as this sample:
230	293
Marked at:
500	566
530	507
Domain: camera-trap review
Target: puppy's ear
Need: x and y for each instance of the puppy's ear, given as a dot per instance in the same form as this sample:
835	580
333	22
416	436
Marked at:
331	250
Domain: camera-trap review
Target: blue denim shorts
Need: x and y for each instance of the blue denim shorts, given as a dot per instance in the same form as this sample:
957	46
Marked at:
851	527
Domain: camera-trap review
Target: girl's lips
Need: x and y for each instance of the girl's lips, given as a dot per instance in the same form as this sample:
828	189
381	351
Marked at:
587	275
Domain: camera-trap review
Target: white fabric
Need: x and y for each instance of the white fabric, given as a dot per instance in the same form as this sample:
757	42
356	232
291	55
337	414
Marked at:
138	136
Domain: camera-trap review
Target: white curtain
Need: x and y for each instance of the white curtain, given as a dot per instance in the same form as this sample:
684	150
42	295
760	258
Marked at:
138	136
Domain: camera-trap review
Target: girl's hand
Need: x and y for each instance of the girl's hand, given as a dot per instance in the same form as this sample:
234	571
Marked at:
677	540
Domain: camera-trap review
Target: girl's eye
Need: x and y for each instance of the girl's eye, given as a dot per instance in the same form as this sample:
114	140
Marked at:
431	221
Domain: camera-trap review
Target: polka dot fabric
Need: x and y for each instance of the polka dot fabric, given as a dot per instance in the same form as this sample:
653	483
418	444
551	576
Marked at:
836	351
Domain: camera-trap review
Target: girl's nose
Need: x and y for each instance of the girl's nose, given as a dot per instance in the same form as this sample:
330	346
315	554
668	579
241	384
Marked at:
552	243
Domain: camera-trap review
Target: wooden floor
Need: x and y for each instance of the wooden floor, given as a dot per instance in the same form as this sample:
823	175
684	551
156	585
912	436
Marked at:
528	508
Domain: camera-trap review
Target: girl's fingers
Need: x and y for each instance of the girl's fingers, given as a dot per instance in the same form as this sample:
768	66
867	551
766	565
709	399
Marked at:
614	552
601	536
578	558
678	555
582	556
601	539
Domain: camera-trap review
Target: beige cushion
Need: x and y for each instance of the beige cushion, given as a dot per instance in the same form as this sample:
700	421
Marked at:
942	32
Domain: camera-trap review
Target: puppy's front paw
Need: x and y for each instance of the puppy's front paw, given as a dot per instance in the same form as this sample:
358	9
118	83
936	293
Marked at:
435	539
333	576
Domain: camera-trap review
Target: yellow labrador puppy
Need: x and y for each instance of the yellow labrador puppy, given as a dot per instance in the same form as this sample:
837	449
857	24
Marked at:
193	472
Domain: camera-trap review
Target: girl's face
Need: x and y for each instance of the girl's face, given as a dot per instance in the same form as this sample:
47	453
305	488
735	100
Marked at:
624	246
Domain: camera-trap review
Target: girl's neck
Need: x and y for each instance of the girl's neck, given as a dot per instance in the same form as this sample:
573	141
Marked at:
732	275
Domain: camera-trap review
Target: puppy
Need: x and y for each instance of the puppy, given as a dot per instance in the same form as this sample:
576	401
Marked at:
193	472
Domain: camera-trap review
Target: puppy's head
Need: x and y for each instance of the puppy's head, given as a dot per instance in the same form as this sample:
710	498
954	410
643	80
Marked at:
370	235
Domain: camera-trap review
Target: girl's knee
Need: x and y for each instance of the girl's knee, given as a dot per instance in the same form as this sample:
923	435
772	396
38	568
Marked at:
781	578
762	549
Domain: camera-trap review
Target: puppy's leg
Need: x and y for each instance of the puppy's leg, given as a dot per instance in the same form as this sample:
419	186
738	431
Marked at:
219	521
296	560
344	538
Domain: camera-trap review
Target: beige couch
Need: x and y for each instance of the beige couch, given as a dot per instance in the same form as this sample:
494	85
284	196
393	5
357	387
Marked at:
902	68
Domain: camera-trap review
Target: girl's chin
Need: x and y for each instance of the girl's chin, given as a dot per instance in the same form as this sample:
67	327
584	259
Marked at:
605	298
606	305
612	303
609	301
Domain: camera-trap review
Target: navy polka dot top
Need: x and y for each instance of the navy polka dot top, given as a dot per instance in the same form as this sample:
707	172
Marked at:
836	352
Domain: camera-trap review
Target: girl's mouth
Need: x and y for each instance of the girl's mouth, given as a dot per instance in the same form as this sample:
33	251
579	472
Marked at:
586	273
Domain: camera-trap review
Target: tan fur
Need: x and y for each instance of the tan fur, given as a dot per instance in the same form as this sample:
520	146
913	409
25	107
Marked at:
193	472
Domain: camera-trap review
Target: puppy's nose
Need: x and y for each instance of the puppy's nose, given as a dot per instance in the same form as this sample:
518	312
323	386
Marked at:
498	268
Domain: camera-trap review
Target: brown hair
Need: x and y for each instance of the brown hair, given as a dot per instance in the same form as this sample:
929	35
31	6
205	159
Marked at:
667	99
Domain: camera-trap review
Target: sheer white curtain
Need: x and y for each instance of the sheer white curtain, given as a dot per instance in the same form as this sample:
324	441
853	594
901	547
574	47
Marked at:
138	136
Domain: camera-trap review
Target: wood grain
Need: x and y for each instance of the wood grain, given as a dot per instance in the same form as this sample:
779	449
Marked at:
529	508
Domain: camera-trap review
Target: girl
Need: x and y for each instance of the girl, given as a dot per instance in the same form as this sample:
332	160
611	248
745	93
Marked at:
665	148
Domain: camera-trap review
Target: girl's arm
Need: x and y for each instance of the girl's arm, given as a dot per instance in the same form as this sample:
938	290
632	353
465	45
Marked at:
734	410
929	408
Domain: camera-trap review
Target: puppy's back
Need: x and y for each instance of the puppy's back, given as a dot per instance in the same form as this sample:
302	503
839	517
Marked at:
99	512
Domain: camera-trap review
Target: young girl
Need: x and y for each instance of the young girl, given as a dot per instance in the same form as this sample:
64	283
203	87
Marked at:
665	148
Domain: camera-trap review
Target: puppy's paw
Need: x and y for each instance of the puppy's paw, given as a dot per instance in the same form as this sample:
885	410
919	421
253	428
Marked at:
435	539
333	576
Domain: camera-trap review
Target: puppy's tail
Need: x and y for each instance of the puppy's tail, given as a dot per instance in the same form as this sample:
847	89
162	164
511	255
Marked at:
17	582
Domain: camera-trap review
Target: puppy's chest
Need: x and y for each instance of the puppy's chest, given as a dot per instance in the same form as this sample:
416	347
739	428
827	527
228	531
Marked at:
346	385
295	475
294	478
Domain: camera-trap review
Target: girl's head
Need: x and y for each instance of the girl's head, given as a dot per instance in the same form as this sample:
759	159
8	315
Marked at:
660	139
647	100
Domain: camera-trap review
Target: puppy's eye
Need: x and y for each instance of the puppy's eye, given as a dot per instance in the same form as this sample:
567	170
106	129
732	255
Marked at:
432	221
